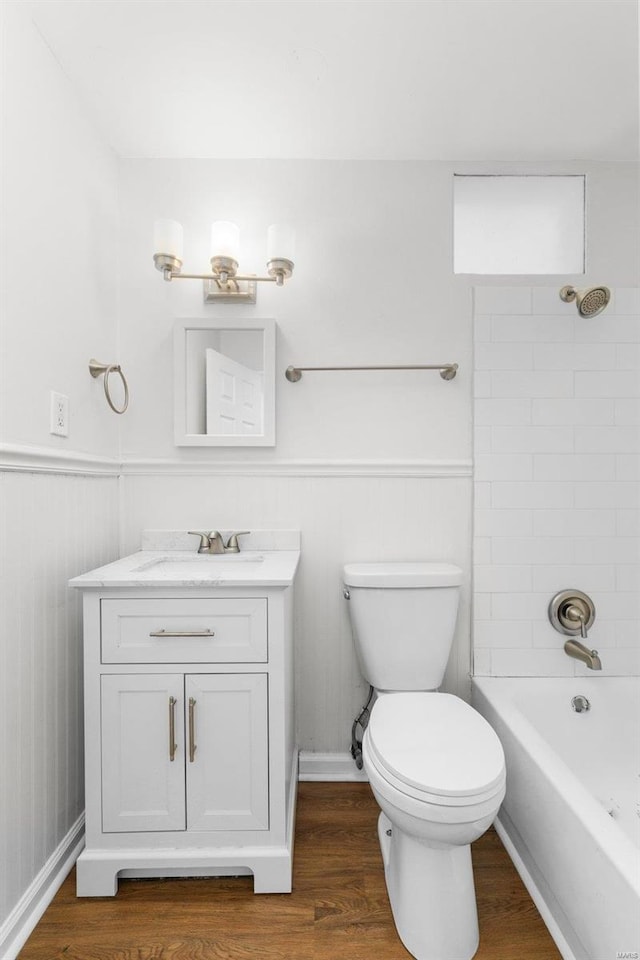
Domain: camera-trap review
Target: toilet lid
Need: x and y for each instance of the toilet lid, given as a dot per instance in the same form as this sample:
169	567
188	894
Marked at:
436	743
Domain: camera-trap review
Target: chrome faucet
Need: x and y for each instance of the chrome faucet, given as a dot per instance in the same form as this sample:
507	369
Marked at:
214	544
573	648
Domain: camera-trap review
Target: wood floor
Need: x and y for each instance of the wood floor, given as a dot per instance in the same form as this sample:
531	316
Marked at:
338	909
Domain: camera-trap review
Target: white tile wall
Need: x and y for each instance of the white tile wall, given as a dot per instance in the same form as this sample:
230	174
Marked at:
557	477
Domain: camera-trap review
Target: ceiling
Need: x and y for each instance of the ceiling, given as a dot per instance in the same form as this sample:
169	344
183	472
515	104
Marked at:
477	80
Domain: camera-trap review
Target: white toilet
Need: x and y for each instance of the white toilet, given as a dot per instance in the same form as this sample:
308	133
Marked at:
435	766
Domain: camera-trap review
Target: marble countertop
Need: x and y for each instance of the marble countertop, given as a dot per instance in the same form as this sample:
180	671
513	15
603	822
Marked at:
179	568
169	559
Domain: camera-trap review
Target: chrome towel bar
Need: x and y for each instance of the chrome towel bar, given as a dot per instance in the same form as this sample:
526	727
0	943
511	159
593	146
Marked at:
447	370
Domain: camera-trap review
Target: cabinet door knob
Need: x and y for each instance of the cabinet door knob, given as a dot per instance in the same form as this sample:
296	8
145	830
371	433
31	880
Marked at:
192	732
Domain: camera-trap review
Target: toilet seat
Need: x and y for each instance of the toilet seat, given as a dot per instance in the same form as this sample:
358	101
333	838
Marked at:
435	748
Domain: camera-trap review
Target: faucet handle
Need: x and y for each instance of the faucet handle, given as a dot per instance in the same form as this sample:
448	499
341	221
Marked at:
574	613
232	543
204	539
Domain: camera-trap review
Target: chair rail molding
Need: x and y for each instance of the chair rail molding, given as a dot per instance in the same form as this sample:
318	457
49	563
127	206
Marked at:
24	458
32	459
299	468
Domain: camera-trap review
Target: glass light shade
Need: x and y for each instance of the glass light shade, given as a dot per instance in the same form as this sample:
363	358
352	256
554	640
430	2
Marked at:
281	241
225	239
168	238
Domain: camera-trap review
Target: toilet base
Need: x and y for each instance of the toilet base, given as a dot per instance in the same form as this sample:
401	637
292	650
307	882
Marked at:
431	894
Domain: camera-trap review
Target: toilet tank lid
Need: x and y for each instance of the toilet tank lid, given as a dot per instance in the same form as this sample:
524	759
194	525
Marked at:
394	574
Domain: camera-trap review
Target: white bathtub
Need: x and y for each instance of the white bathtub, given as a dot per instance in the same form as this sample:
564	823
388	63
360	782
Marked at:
571	815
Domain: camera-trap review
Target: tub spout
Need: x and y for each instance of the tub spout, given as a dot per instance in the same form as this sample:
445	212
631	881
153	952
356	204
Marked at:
573	648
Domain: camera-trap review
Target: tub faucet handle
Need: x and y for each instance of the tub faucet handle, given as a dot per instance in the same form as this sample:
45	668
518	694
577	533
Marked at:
575	613
572	612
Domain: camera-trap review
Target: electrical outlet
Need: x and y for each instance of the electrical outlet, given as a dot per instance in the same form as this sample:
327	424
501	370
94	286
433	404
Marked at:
59	414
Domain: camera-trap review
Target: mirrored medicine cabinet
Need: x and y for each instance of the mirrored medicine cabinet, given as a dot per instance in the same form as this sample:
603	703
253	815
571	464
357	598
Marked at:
224	382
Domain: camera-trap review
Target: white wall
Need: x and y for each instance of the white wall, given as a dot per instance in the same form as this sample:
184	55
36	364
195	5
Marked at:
58	497
373	283
59	251
557	492
351	220
390	452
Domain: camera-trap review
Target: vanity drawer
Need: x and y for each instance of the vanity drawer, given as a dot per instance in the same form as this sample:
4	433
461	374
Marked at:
184	631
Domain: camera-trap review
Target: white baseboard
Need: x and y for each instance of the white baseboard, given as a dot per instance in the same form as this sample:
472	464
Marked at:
22	920
329	766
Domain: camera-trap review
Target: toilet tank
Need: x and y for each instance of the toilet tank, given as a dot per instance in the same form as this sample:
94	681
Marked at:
403	617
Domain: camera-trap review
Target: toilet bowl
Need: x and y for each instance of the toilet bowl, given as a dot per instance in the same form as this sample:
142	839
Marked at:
434	803
435	766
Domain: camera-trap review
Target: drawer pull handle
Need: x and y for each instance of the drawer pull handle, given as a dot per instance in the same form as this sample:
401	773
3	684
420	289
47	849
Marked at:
168	634
173	746
192	733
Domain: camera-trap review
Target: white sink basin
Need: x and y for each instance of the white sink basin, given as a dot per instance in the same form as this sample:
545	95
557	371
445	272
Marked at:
215	565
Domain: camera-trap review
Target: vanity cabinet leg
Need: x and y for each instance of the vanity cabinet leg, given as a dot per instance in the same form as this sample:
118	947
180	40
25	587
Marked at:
272	876
95	878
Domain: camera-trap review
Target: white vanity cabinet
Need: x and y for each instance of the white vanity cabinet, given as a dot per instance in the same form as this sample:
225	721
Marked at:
185	752
190	758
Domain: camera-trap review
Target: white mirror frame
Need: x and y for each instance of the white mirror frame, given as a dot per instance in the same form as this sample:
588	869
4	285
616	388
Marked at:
183	439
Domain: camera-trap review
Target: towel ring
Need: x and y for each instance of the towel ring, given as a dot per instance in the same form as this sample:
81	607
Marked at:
97	369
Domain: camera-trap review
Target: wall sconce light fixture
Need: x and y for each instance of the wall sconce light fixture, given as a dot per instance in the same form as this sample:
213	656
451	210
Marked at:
224	283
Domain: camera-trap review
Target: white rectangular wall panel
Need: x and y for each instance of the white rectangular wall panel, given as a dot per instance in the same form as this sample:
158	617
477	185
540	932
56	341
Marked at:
513	224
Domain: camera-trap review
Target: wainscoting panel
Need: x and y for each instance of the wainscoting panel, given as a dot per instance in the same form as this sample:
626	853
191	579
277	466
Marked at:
52	527
342	519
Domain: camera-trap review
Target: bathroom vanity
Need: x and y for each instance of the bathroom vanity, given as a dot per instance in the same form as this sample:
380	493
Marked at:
190	758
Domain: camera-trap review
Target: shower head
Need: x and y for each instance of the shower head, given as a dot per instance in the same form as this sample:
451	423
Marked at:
589	302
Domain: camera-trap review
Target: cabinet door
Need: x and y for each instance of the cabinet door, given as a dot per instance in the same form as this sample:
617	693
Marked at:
142	786
227	751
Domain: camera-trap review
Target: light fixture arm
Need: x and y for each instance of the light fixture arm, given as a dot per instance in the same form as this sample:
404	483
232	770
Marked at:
169	274
223	283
